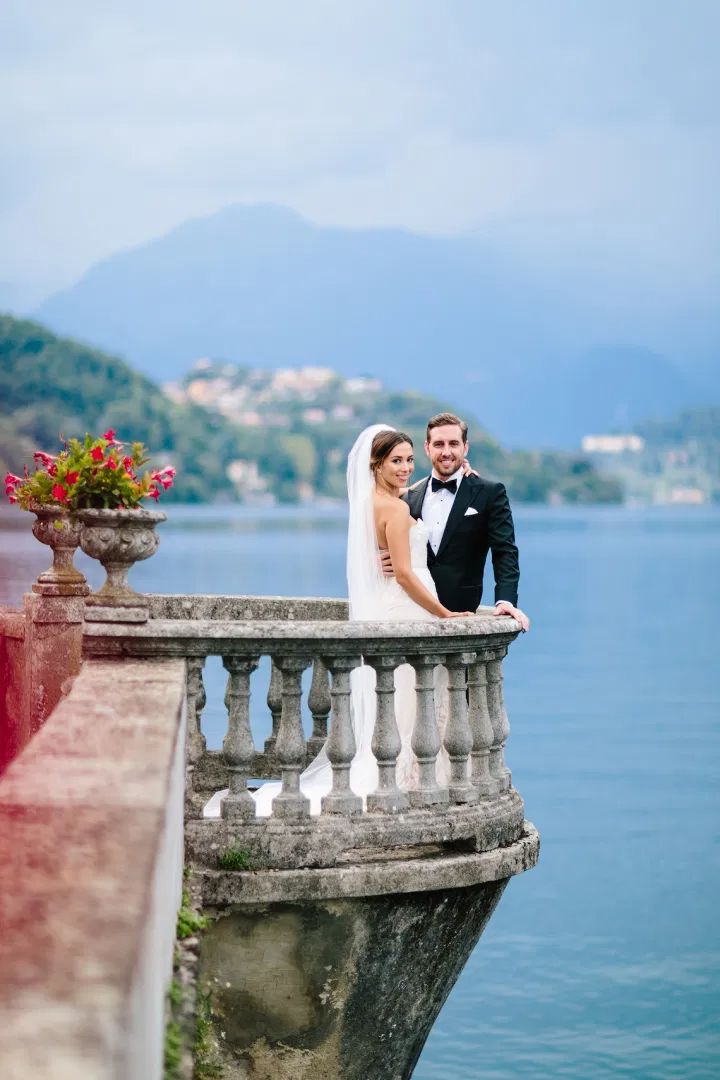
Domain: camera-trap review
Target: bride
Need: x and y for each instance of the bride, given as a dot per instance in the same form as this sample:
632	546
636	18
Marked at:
379	468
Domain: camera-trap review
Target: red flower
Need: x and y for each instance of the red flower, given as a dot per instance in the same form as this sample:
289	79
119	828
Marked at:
154	493
128	463
97	453
45	459
52	469
164	476
59	493
71	477
111	463
109	436
11	482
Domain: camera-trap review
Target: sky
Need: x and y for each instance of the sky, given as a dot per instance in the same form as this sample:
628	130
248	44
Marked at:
581	136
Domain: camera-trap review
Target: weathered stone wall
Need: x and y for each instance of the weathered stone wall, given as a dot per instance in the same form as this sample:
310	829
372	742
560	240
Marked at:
345	989
91	841
14	717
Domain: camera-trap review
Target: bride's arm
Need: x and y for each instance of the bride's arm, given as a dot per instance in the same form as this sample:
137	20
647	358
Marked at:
397	532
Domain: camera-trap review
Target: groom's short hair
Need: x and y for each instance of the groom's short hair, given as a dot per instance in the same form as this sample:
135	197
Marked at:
444	418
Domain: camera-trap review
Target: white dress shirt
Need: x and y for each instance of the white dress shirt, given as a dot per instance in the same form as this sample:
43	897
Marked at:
436	507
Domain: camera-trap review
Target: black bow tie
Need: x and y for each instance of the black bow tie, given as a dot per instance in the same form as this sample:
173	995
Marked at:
444	485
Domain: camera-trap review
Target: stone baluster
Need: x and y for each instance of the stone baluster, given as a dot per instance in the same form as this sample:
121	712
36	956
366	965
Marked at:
238	746
499	720
319	705
482	729
458	738
290	804
386	744
274	704
426	736
340	745
196	699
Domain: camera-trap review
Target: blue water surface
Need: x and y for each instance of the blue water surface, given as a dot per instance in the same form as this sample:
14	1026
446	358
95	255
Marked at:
604	961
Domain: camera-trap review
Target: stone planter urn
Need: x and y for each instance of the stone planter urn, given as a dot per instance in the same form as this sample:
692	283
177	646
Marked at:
55	527
118	539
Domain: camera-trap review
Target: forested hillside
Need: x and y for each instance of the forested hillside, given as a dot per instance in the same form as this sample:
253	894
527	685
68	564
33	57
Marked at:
53	388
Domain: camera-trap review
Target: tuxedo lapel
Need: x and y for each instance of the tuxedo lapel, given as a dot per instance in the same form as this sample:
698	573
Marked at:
460	504
415	497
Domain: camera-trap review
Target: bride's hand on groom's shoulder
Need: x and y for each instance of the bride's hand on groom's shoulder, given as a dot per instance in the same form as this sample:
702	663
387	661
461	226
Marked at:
468	469
411	487
504	607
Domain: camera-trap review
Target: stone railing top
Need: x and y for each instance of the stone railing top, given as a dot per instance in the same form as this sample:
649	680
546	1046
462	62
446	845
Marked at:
310	637
246	607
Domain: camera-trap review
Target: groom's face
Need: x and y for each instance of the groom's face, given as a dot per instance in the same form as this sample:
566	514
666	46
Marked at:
446	449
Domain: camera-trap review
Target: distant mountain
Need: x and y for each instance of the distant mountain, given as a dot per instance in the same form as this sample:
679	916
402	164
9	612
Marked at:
262	287
606	389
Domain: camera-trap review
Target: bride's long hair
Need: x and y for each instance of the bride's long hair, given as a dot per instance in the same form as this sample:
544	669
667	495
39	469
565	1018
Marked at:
364	573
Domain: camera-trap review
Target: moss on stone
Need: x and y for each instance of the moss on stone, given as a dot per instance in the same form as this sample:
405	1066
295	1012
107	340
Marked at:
173	1049
188	921
234	859
205	1051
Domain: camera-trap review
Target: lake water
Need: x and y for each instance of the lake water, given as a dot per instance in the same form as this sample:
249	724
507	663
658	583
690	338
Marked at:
605	960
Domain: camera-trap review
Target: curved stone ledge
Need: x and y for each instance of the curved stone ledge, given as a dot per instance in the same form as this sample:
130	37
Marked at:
325	841
223	888
329	637
245	608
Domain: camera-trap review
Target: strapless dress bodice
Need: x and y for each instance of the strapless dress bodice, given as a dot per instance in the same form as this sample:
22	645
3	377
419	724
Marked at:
393	602
419	536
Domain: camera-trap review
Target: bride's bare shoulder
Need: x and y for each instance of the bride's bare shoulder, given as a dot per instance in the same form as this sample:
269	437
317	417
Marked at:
397	510
391	509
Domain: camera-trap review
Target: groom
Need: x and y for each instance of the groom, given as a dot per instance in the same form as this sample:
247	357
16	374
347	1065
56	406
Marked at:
466	517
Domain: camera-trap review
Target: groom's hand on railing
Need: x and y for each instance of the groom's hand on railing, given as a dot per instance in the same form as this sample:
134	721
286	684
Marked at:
386	562
504	607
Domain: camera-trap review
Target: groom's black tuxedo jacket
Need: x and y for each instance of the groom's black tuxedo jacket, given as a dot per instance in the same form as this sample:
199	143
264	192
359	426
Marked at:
457	569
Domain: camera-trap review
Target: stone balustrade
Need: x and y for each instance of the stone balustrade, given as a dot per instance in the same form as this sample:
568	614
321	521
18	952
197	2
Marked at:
477	811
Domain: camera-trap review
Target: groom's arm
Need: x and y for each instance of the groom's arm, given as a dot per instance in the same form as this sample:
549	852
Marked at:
501	535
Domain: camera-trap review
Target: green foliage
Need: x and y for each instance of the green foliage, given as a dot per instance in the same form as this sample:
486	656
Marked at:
544	476
54	389
175	993
205	1053
92	473
233	859
188	921
173	1049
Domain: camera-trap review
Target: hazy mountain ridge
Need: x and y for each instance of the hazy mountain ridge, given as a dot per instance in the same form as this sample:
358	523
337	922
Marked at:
450	316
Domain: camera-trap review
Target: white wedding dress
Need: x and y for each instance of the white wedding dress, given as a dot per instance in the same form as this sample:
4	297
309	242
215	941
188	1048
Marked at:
378	598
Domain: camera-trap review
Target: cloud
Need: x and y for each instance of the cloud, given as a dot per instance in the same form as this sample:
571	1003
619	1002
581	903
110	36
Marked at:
579	136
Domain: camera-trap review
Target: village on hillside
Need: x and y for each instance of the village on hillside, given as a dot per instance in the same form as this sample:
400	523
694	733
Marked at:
669	463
